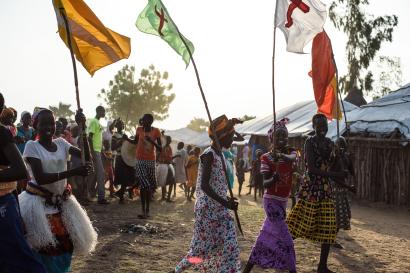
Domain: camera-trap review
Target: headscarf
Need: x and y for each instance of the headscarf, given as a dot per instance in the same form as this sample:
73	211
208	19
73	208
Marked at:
223	127
279	125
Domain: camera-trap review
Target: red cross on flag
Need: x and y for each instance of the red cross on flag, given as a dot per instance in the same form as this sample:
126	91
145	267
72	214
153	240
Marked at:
300	21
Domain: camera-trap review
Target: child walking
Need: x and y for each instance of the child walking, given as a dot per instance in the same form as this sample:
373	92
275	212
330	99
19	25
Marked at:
274	246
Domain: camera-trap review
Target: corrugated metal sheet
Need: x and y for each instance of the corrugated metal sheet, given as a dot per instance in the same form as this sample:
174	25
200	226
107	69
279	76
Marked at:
299	114
380	117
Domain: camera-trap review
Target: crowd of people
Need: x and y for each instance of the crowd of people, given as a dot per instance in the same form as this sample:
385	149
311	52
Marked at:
51	168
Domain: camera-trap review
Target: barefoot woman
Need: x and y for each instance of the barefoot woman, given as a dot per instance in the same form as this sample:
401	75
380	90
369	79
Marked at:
313	217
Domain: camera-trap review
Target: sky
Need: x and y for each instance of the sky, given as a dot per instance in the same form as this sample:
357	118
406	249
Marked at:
233	51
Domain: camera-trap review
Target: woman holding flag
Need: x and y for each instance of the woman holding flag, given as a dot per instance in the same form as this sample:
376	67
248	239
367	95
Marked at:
56	223
214	247
274	246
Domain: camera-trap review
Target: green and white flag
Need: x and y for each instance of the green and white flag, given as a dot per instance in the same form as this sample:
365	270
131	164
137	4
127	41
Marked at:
155	20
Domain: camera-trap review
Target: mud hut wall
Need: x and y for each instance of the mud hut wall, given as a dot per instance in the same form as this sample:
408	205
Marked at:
382	170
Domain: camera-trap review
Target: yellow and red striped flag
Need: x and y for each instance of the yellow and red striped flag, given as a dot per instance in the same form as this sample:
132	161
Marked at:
94	45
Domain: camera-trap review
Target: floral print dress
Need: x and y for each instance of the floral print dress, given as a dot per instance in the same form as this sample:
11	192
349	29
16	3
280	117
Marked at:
214	247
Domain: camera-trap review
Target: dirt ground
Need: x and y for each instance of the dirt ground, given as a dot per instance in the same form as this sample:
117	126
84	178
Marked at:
378	242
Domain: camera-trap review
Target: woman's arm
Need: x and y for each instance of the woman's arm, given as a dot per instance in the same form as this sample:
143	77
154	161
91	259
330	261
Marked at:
43	178
17	169
116	143
207	160
157	144
288	157
311	164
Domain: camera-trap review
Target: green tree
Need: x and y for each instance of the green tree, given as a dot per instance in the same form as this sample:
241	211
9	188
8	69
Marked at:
246	118
389	76
365	34
62	110
130	99
198	124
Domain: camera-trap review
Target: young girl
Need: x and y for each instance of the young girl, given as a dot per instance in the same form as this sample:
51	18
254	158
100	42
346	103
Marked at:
274	246
313	217
163	169
240	174
192	172
214	247
341	189
56	223
15	254
148	139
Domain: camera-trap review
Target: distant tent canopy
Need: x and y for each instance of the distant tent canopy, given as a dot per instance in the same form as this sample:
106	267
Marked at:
299	114
189	137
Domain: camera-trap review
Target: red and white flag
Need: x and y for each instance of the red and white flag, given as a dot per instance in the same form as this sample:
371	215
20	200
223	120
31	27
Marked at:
300	21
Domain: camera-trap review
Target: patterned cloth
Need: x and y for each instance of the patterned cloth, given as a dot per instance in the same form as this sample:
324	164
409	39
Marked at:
315	221
274	247
146	174
214	248
57	259
313	217
342	206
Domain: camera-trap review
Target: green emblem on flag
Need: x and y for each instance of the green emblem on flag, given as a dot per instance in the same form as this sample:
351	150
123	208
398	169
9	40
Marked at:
155	20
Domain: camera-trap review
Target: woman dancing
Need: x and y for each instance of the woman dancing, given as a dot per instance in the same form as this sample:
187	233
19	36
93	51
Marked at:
56	223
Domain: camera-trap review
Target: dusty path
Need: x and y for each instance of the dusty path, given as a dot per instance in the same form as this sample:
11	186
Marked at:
378	242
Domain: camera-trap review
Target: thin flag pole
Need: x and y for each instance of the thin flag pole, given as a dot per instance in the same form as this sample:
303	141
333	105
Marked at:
70	46
338	95
273	73
217	143
77	91
131	100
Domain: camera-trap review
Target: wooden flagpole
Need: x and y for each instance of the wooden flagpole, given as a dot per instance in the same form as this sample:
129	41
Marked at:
77	91
217	143
273	75
131	100
338	95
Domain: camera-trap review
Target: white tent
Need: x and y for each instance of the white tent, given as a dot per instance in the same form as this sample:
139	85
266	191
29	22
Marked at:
300	119
188	136
380	117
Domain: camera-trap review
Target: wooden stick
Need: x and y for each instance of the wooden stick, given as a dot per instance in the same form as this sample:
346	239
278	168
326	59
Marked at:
77	91
213	131
273	73
131	100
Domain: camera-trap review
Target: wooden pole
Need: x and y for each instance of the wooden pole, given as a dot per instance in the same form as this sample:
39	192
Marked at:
273	75
77	91
213	131
131	100
338	96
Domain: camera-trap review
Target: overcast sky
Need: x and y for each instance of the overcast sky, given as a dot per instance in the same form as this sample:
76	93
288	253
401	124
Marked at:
233	51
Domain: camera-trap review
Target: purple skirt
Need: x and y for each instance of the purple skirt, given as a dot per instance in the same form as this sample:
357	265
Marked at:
274	247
